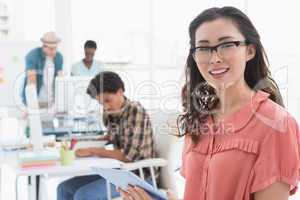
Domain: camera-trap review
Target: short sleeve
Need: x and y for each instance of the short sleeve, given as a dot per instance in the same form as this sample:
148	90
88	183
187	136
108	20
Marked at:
59	62
278	159
31	62
139	145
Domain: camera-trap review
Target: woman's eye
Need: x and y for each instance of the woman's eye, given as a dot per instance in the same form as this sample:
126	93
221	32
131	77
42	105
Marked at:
202	49
227	45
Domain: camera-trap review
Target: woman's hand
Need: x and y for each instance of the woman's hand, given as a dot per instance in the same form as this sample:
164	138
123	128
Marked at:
136	193
171	195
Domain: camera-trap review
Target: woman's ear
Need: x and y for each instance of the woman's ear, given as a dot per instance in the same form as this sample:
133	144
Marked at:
251	50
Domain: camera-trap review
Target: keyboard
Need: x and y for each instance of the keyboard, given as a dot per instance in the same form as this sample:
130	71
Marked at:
79	137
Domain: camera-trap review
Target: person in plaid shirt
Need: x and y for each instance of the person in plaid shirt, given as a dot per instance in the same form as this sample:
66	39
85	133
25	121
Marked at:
129	130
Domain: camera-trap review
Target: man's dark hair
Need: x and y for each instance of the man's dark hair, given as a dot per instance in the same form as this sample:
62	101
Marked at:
105	82
90	44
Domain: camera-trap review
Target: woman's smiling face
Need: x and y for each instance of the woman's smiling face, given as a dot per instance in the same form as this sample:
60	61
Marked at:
227	66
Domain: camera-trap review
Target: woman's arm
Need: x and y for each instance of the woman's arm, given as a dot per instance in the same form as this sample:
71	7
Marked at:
277	191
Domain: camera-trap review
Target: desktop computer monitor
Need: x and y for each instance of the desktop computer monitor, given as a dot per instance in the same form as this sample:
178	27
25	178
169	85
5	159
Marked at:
71	96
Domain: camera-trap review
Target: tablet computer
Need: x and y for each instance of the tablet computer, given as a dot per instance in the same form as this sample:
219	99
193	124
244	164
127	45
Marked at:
123	178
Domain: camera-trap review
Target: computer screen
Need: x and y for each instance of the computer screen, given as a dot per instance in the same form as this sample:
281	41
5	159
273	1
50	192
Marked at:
71	96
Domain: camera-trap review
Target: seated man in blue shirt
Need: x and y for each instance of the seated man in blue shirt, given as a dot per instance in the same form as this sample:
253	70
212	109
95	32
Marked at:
43	64
88	66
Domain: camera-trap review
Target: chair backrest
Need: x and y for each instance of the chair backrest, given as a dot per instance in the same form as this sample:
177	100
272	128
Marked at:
168	147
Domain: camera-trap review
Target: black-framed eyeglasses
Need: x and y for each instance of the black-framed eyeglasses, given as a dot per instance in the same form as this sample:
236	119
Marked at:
203	53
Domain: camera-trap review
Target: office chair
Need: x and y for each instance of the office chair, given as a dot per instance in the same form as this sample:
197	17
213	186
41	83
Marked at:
169	149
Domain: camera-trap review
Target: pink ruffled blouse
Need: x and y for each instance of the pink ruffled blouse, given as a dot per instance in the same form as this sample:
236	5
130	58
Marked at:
251	149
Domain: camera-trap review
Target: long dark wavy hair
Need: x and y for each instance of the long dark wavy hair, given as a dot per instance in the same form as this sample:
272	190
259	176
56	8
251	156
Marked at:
201	97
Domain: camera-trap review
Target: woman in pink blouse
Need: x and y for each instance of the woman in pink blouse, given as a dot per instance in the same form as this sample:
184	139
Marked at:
240	142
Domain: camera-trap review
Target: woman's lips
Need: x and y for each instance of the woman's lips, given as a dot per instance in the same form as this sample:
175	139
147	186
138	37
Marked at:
218	73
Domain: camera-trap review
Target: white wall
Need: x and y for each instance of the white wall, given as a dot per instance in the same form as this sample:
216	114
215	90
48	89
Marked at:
279	34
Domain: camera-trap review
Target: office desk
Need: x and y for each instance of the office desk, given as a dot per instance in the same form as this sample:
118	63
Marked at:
81	166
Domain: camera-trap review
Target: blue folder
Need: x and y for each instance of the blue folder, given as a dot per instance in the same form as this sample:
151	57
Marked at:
124	178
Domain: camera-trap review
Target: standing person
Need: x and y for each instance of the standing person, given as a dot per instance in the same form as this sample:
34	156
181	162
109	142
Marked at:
129	129
43	64
88	66
240	142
